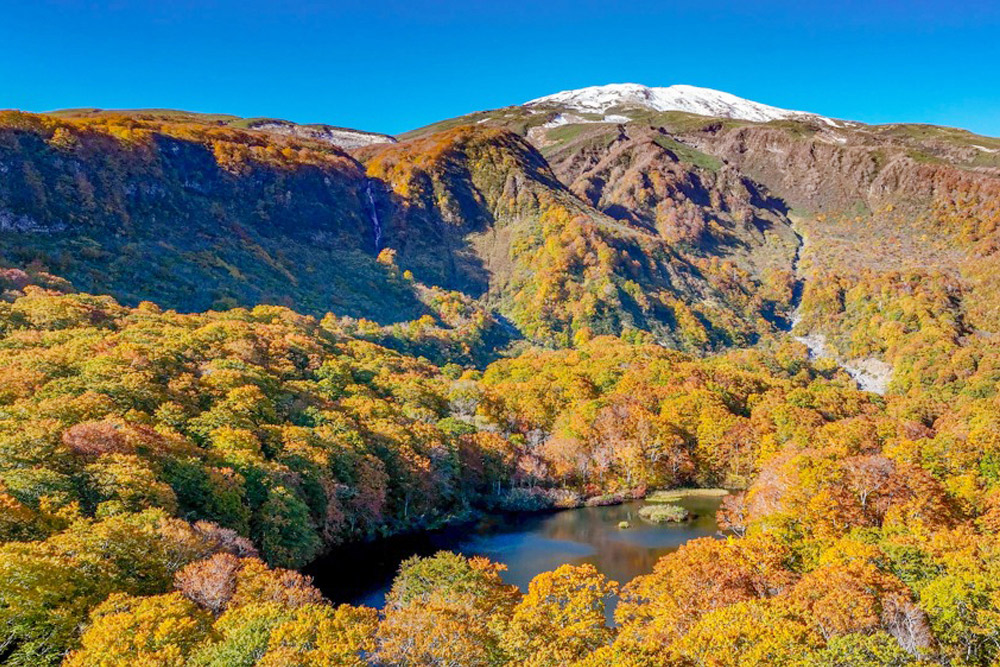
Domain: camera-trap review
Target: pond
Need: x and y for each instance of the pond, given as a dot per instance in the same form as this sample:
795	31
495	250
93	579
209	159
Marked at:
527	543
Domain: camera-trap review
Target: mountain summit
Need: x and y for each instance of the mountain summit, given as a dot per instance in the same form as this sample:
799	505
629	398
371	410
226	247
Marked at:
690	99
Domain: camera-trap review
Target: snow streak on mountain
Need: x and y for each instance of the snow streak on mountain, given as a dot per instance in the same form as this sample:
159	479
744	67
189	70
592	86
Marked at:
690	99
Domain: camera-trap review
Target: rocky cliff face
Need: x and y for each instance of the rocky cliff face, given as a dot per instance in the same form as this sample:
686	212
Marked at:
701	206
823	169
870	198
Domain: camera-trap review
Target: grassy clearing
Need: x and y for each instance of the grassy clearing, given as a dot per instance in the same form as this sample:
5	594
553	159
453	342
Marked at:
565	133
688	154
675	495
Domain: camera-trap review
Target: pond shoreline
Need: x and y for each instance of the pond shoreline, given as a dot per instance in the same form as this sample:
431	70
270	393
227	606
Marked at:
359	572
476	514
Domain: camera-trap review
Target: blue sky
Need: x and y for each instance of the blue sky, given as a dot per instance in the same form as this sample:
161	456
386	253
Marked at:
394	65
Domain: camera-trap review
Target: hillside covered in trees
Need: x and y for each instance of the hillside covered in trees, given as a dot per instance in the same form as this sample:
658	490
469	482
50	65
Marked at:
228	347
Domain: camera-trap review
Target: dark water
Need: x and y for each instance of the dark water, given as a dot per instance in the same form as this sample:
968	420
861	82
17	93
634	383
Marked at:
527	543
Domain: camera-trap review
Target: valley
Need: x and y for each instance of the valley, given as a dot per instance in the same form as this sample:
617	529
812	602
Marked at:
276	394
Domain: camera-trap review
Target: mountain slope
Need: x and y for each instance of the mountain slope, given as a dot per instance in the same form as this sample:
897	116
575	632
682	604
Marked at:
700	205
559	262
883	211
881	201
664	223
178	209
192	216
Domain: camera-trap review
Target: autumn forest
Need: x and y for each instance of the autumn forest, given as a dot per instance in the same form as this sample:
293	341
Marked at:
229	347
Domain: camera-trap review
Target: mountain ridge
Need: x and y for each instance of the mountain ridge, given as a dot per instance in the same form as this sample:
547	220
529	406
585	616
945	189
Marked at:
341	137
667	224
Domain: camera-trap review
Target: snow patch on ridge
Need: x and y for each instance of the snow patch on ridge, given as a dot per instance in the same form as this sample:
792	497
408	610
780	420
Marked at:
338	136
571	118
690	99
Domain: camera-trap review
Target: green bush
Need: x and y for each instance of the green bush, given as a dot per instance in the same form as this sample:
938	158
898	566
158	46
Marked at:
664	513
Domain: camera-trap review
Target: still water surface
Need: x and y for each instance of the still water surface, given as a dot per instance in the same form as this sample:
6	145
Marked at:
527	543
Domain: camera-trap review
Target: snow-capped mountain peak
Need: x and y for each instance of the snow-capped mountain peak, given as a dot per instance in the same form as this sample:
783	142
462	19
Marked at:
691	99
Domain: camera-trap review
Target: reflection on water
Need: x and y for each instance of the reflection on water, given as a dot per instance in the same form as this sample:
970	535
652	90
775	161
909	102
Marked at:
528	544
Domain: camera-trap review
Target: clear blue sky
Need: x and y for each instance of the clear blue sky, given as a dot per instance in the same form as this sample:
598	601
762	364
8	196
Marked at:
394	65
